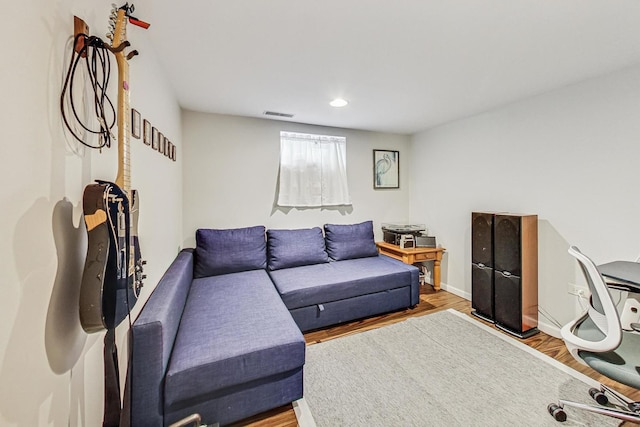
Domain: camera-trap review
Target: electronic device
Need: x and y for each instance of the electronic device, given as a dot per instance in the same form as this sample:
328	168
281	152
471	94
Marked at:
504	266
393	233
424	241
407	241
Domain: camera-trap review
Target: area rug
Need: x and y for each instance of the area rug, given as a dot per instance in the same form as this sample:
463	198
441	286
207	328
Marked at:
442	369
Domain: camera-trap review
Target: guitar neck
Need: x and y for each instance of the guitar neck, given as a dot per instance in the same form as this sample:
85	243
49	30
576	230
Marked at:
123	178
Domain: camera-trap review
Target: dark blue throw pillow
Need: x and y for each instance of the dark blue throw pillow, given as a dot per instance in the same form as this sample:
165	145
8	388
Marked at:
293	248
229	251
350	241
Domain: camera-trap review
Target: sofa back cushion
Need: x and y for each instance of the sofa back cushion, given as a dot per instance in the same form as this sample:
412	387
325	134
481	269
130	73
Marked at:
293	248
350	241
229	251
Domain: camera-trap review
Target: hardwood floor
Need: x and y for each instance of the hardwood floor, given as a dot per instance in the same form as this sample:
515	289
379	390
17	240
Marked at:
430	302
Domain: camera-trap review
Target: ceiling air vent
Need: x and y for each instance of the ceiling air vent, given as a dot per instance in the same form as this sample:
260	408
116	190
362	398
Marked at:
276	114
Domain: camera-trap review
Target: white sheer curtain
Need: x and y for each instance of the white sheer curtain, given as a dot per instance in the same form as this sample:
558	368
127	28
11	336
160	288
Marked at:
313	170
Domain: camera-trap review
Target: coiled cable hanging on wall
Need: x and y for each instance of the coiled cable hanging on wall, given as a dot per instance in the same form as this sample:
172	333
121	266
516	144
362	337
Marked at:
98	64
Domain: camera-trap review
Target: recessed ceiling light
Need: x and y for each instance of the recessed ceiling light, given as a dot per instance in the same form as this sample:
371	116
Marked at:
338	102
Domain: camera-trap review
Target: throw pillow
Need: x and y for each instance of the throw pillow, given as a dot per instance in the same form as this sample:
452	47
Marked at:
350	241
293	248
229	251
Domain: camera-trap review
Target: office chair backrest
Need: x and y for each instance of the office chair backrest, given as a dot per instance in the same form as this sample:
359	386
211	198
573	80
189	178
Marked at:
602	311
595	298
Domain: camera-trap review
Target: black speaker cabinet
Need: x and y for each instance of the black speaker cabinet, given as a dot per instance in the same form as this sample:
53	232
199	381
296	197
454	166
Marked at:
482	265
504	271
482	292
515	240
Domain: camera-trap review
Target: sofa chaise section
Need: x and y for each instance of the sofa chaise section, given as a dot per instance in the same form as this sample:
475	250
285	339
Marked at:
237	353
214	337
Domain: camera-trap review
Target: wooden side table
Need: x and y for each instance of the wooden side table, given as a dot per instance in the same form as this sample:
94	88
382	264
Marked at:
414	255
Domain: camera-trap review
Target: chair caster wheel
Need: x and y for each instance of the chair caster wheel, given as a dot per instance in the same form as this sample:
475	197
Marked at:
598	396
557	412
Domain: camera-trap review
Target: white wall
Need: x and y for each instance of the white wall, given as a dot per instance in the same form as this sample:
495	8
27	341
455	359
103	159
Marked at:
569	156
50	370
232	174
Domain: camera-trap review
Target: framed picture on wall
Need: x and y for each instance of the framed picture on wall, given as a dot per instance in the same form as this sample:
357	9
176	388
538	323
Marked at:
161	142
155	138
386	169
146	129
135	123
173	152
169	148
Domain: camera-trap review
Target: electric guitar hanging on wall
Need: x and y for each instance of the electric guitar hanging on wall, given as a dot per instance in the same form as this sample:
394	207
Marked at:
112	275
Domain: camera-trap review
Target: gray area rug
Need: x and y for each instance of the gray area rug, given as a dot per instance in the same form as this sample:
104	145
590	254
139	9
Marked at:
443	369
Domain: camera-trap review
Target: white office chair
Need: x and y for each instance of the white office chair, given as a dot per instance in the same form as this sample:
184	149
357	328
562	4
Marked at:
596	339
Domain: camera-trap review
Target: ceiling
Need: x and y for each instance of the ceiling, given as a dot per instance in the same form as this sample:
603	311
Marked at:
404	65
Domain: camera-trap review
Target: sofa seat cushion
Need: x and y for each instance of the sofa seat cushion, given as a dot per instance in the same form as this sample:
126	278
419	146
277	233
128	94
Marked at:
321	283
235	329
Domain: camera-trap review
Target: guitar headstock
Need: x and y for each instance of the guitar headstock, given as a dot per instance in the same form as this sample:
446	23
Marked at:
118	24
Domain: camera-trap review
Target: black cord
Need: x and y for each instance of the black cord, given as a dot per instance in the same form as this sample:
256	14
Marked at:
98	65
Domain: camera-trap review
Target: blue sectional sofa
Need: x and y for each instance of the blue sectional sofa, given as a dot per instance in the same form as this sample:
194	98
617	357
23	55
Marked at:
220	334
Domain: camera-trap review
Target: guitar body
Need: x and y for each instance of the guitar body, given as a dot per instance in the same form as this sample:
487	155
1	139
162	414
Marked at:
112	272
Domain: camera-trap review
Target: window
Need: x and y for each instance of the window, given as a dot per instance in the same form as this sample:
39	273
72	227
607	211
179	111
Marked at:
313	170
